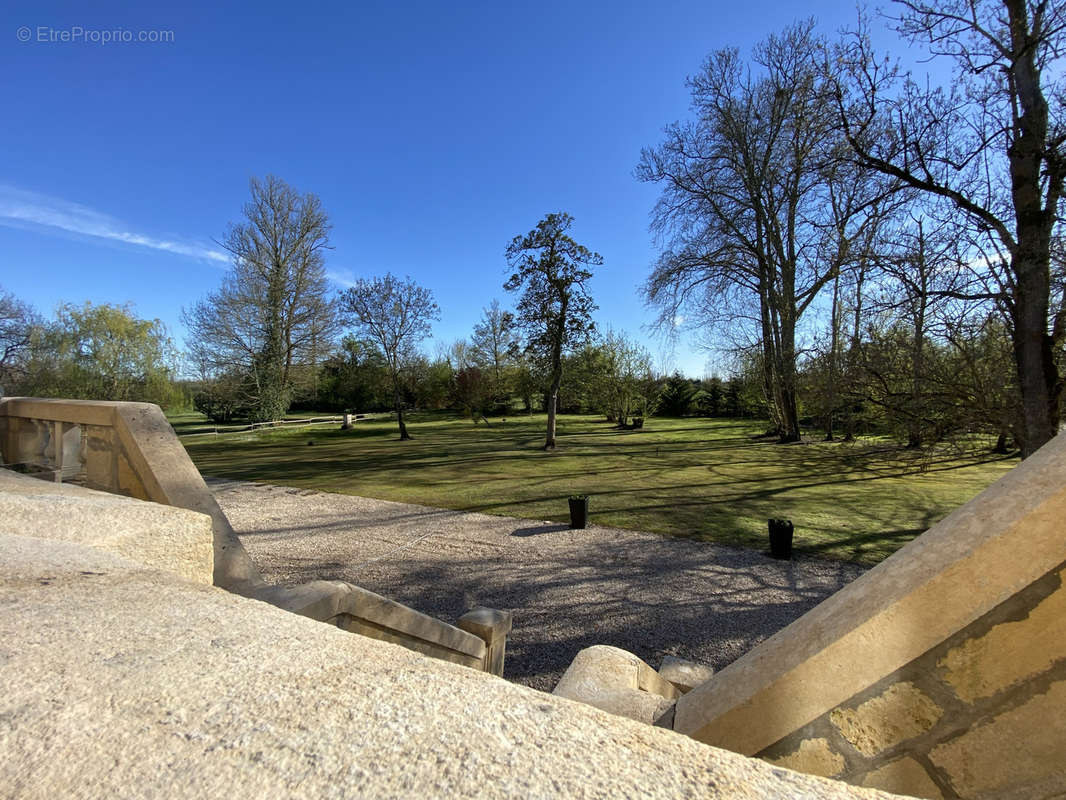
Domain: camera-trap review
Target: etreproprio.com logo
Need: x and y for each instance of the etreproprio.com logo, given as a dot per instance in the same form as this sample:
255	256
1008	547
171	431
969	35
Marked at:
78	34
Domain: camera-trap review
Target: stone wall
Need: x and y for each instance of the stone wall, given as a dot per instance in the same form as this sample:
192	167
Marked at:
981	715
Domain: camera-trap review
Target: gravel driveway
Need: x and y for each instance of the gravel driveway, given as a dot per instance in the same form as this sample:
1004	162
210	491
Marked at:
642	592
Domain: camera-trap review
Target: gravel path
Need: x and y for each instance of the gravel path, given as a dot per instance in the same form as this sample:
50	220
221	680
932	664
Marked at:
650	595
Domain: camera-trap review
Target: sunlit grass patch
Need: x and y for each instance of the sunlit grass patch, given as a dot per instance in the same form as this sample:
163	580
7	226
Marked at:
714	480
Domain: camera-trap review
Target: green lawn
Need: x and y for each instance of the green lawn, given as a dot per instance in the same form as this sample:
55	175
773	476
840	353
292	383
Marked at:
713	480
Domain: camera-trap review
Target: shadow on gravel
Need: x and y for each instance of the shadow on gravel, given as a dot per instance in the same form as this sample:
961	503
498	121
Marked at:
703	603
534	530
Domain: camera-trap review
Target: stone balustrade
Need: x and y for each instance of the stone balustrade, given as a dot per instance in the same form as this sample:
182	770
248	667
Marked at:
130	449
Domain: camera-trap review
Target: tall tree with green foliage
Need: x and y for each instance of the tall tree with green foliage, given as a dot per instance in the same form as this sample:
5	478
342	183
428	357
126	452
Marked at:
677	396
555	307
396	315
102	352
355	378
273	313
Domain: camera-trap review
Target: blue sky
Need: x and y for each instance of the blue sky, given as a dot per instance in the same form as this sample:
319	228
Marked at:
433	133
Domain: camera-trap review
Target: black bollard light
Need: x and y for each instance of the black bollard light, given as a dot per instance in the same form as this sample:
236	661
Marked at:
781	538
579	511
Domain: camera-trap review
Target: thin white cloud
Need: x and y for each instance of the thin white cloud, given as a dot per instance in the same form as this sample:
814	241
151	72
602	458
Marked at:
344	277
19	207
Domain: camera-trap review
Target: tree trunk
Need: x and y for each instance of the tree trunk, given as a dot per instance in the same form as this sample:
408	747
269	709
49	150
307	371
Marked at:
399	408
834	344
853	353
557	369
1038	376
552	400
790	409
769	379
787	376
917	410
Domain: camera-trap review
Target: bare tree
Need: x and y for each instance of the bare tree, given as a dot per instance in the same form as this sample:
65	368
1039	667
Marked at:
990	146
18	321
494	343
494	339
396	315
273	314
760	208
555	308
921	271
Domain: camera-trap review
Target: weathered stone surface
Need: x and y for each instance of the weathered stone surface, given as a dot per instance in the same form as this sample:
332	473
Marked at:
157	536
814	757
118	681
1010	652
901	712
132	449
618	682
491	626
487	624
1020	747
960	569
685	675
326	600
169	476
904	776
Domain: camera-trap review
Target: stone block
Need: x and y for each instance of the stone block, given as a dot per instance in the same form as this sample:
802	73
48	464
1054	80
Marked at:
1012	751
168	476
1010	652
487	624
492	627
156	536
685	675
904	776
813	757
901	712
618	682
